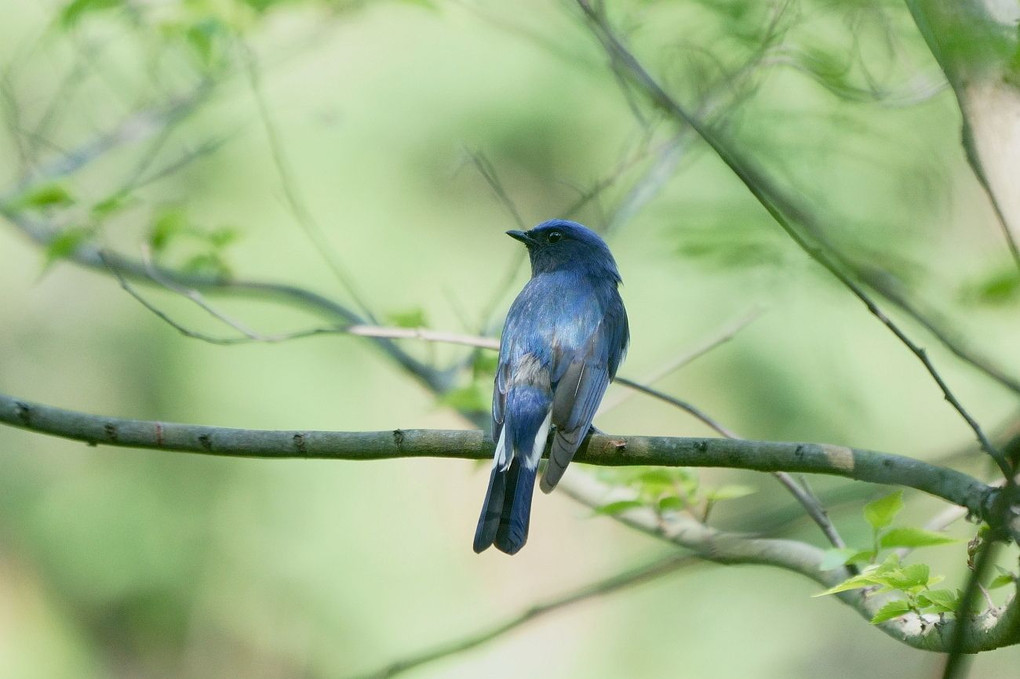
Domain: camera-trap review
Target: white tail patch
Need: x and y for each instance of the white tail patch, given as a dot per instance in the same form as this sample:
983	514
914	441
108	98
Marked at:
501	459
539	446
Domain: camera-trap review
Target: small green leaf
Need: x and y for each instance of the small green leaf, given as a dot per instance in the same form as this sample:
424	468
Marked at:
882	511
939	600
411	318
207	263
996	288
1002	579
110	204
206	40
862	556
222	237
46	196
76	10
66	243
856	582
671	503
619	507
168	225
893	609
914	575
912	537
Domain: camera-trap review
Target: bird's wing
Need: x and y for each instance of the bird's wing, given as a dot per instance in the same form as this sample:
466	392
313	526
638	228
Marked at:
575	401
617	334
579	391
499	392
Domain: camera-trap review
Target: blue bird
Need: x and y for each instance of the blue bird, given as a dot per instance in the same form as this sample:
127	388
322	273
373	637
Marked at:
564	338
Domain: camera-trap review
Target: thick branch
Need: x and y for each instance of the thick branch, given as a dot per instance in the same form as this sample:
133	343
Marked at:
768	456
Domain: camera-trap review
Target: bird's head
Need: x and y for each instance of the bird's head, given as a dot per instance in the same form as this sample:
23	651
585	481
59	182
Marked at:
562	245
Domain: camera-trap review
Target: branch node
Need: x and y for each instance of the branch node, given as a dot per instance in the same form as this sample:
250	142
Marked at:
111	431
398	439
206	441
299	444
24	412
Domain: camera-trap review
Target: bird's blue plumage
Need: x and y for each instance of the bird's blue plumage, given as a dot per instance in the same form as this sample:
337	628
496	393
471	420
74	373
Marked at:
564	338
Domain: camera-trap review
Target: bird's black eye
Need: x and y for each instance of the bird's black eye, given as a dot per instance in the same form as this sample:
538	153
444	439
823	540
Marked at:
555	236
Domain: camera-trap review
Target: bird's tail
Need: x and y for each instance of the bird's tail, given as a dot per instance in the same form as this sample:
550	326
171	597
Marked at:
506	511
564	445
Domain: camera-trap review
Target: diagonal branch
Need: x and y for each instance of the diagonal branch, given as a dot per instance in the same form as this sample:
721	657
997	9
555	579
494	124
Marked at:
780	207
295	201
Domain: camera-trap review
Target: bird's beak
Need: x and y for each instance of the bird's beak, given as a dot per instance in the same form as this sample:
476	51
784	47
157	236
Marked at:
522	236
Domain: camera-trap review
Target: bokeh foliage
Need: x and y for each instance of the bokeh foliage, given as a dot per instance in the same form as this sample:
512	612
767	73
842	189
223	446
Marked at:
382	116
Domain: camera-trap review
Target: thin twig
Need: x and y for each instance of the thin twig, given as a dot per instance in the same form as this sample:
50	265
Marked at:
810	503
802	492
777	205
491	177
720	337
678	403
302	214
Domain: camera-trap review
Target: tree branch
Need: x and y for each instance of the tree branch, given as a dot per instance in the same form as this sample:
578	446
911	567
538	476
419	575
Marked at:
766	456
780	207
993	628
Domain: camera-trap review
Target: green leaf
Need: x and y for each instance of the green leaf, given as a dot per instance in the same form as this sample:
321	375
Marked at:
170	223
222	237
893	609
66	243
619	507
913	576
77	9
1002	579
206	39
672	503
208	263
411	318
939	600
45	196
882	511
996	288
862	556
111	204
912	537
856	582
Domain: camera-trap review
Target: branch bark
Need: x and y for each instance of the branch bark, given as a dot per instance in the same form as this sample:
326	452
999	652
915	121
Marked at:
979	498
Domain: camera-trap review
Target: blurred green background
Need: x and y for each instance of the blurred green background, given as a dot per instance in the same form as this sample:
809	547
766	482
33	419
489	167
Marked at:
121	563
